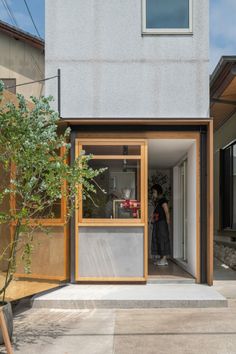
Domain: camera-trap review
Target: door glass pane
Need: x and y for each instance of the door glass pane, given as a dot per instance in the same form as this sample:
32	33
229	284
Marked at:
167	13
121	182
234	187
112	150
226	188
183	211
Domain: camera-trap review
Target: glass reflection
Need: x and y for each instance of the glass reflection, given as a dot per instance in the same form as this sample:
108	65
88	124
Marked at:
167	14
121	181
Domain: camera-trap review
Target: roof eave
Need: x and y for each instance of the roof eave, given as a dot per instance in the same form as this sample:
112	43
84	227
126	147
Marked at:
18	34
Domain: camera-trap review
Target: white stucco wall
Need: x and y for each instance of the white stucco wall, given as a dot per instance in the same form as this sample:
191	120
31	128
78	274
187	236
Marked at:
110	70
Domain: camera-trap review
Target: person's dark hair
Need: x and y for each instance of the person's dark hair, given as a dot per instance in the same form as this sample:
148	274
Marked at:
158	188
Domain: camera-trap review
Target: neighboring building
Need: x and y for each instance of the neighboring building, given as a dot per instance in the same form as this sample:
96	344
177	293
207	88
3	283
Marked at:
223	110
21	60
135	92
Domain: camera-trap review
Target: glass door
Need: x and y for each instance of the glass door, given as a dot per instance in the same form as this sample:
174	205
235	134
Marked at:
183	210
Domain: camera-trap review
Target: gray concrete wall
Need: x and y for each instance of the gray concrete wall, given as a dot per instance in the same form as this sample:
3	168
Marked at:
111	252
109	69
222	137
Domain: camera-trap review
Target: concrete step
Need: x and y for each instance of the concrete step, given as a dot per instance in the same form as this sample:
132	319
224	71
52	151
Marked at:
131	296
170	281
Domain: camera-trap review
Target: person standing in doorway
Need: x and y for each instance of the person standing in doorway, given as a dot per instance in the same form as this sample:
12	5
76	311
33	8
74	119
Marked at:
160	232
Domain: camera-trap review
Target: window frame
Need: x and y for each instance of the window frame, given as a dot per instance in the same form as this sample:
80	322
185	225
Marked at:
160	31
223	176
142	158
13	89
54	221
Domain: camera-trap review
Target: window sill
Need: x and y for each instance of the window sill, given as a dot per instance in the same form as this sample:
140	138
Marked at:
167	32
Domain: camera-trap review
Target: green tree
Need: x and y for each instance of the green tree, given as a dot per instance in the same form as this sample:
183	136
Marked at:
29	145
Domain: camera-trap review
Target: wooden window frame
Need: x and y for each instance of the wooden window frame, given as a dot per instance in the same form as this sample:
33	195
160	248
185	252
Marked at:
108	142
159	31
142	222
44	221
52	222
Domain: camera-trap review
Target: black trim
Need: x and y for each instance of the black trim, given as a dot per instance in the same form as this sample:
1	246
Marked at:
203	178
59	91
137	128
227	189
203	207
219	100
72	220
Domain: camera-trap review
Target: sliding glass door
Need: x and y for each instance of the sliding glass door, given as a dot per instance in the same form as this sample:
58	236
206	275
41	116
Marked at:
183	210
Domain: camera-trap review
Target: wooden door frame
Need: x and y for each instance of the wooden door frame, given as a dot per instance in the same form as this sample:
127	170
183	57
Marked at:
195	136
186	133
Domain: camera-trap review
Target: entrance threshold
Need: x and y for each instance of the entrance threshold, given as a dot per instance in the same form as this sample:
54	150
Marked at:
171	274
131	296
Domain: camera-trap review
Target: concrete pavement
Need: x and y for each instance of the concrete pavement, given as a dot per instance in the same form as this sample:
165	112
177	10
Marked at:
139	331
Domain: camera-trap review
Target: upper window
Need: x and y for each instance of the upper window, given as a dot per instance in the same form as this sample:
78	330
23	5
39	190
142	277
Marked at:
167	16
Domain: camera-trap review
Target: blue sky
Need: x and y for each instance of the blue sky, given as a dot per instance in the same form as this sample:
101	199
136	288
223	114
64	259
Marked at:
222	23
21	15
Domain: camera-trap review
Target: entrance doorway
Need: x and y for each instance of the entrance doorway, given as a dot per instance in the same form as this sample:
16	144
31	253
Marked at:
173	164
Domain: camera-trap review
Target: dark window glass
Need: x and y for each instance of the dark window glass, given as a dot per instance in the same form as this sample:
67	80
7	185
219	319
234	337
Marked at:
228	187
234	186
121	182
112	149
226	197
167	14
9	84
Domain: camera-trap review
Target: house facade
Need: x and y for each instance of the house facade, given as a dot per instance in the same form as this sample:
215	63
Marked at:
134	89
21	61
223	109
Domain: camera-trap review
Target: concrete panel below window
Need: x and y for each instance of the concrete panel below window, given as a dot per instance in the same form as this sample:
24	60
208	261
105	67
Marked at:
111	252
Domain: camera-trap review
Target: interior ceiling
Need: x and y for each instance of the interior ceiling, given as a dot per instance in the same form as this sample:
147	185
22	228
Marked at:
221	111
166	153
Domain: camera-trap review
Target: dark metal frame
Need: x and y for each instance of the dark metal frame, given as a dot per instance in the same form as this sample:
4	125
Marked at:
231	186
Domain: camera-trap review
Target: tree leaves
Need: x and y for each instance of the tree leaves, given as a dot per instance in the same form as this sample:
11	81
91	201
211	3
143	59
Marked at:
34	155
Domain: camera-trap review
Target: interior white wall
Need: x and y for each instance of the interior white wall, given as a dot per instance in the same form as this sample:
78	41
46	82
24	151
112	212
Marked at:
176	213
190	266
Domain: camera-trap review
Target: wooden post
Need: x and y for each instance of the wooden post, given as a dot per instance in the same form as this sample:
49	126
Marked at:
5	334
210	205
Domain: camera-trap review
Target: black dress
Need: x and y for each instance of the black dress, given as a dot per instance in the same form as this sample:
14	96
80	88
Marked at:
160	231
